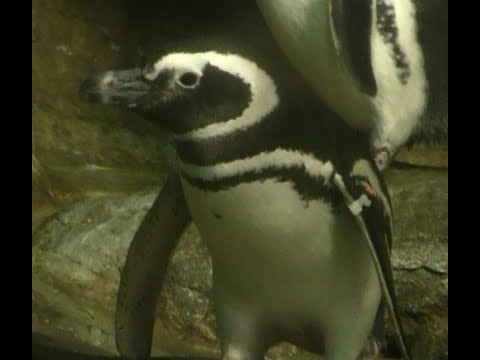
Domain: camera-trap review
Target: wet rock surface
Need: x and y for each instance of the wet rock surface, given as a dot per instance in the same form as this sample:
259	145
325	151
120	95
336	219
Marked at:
420	257
81	151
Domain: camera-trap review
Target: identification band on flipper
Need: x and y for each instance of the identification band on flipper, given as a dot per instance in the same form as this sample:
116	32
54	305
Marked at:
356	207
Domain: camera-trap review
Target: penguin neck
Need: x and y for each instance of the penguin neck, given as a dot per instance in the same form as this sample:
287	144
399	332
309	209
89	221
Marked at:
302	28
256	130
279	146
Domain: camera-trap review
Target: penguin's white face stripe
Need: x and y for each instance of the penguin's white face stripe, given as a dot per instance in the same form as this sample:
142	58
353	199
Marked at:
396	102
279	158
263	100
264	97
180	63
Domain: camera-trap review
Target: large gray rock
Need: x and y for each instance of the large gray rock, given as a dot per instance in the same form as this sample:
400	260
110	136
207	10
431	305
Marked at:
77	256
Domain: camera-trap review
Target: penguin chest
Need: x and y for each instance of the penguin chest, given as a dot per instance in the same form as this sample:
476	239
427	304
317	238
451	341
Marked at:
268	246
260	218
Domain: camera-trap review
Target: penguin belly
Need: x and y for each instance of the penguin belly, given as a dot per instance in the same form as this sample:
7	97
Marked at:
280	262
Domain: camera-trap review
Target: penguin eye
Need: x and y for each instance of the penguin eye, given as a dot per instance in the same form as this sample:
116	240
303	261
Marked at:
188	79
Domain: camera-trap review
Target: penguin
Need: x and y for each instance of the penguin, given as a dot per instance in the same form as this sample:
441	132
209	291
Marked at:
382	65
294	212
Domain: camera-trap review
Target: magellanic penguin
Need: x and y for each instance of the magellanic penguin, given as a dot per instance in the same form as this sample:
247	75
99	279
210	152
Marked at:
382	65
294	212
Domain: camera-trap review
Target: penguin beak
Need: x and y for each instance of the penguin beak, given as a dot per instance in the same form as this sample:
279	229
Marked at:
123	87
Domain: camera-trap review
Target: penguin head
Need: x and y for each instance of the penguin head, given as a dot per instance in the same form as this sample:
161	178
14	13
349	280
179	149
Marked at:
183	92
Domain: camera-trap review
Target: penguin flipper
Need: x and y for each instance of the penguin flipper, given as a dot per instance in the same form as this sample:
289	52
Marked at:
350	23
144	270
367	210
378	330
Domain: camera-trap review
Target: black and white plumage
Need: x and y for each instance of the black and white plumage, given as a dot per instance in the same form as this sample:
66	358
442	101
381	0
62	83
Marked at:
294	212
382	65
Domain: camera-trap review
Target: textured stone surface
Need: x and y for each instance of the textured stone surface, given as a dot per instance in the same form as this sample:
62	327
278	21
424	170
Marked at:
420	257
75	145
425	156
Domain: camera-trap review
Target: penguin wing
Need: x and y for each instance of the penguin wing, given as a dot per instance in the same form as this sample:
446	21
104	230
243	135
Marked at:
145	267
370	207
350	23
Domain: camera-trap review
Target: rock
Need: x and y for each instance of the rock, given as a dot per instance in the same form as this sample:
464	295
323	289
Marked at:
420	257
77	257
74	143
423	155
